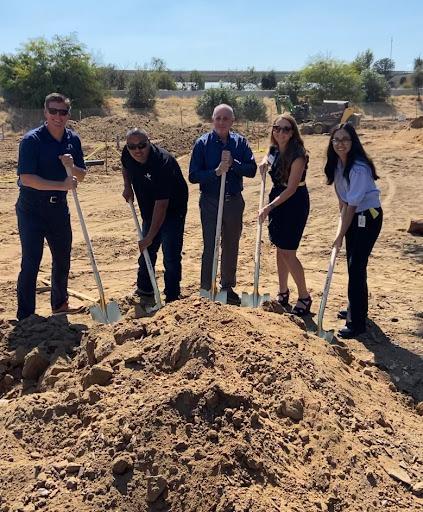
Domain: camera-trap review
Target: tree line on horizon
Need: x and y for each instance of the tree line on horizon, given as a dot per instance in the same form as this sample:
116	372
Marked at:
64	64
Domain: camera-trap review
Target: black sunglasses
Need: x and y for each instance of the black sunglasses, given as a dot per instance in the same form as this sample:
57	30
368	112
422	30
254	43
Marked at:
140	145
61	111
284	129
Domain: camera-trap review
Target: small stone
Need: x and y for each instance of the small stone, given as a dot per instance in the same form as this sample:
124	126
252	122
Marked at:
419	408
396	472
72	484
98	374
73	467
36	362
238	419
304	436
156	485
418	489
122	464
213	436
292	408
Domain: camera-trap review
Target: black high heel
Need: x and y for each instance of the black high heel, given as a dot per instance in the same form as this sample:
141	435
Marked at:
283	298
307	301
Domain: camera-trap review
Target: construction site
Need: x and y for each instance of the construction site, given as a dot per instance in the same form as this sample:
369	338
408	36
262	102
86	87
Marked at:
203	406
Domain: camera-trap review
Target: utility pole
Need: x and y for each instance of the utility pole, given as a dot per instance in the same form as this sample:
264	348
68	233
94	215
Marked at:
390	54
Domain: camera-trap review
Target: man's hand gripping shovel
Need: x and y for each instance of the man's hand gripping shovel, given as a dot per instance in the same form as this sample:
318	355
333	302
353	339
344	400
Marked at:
150	269
255	300
105	313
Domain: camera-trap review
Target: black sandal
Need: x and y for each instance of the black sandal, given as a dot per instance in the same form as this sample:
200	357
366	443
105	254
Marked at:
283	298
307	301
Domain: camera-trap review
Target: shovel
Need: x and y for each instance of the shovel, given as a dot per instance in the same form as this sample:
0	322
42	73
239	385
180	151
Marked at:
104	313
213	294
326	335
255	299
147	259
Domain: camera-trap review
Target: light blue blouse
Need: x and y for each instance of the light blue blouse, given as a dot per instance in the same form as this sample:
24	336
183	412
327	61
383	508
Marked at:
362	191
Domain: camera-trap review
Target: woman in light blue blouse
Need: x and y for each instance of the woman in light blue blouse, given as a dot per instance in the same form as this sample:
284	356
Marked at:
353	174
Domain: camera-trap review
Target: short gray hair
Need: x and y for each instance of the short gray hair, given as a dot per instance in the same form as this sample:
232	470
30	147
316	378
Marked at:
138	132
226	107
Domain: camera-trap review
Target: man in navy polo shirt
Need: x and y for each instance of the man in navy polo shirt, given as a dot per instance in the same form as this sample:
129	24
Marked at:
162	195
42	208
221	152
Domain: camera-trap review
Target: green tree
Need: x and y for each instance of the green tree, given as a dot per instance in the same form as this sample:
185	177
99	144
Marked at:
213	97
268	80
363	60
161	75
41	67
418	75
375	86
142	90
197	80
384	67
292	86
113	78
331	79
252	108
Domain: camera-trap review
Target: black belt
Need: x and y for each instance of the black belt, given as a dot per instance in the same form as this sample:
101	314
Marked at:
43	198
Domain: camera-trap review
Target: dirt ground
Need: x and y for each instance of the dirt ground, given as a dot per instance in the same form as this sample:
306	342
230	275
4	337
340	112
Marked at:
204	407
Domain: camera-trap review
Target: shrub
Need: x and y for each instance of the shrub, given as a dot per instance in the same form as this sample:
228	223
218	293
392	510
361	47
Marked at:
213	97
375	86
41	67
252	108
141	90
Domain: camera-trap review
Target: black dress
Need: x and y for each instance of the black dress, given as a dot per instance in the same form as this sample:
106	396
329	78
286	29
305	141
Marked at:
287	221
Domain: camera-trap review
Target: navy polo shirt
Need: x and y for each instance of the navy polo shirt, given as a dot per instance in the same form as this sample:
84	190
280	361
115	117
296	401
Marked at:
206	157
39	154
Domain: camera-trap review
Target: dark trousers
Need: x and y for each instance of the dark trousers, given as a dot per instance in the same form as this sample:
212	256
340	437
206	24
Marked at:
359	245
170	237
39	220
231	233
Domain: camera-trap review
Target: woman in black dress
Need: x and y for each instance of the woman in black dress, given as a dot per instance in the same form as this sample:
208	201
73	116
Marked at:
288	206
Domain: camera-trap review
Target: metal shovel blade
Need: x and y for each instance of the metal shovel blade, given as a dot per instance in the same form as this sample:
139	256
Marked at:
221	296
249	300
326	335
109	315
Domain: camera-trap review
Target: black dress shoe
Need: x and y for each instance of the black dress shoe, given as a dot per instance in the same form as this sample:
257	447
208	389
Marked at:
342	314
350	332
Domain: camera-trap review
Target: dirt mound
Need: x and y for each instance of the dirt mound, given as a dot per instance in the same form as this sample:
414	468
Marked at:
417	123
202	407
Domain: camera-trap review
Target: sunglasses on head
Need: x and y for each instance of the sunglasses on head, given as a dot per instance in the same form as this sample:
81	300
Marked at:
61	111
284	129
140	145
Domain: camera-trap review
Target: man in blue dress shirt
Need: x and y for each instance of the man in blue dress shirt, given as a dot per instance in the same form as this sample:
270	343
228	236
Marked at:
216	153
42	208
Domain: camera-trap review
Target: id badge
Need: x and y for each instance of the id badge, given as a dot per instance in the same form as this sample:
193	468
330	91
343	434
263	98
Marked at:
270	159
361	221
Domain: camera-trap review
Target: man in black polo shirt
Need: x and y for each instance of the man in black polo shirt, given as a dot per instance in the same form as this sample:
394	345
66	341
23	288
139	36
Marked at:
162	195
42	208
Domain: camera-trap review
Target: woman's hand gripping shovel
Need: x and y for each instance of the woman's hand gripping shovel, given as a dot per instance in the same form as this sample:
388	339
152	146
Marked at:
255	300
150	269
105	313
213	294
326	335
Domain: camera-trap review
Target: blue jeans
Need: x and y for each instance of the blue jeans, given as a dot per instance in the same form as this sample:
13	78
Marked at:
38	220
170	237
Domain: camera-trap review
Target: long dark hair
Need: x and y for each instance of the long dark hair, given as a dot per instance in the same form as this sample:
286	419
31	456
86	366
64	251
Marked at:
294	148
356	152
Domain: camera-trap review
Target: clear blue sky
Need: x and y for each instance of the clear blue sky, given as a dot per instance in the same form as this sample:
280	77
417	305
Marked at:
220	35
